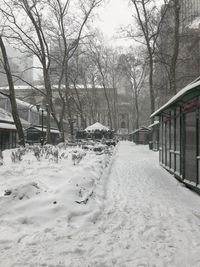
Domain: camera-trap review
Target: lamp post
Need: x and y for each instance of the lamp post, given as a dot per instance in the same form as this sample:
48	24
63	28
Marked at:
42	110
73	121
48	123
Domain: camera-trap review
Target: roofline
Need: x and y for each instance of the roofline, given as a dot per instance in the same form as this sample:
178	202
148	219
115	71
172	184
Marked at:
185	91
142	129
153	124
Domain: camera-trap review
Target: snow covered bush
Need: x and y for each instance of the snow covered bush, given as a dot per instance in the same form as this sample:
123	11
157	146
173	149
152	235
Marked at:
25	191
54	154
37	152
77	156
16	156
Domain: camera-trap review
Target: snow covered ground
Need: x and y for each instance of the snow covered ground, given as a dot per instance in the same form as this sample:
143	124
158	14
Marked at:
119	210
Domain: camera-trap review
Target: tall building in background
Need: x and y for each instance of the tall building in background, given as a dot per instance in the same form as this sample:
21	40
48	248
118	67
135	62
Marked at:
190	10
21	65
188	63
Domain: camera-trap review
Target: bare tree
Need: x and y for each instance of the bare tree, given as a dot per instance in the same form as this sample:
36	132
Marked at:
28	34
69	39
80	74
114	71
175	46
149	23
99	56
167	58
135	71
11	94
41	23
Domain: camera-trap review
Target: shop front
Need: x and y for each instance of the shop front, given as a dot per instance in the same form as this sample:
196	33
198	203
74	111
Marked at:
35	134
140	136
8	135
154	136
179	135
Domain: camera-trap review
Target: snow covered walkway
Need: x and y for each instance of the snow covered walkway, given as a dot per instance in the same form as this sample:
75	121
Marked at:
150	219
147	218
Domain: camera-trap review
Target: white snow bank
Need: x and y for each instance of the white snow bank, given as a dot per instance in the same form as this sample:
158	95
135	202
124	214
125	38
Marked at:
39	191
136	213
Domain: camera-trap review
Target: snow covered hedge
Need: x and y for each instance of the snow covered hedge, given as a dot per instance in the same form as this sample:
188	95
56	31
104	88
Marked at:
40	184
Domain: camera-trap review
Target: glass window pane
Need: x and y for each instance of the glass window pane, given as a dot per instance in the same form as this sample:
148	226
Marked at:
167	143
177	163
160	140
190	146
163	144
172	131
199	145
177	130
199	171
172	161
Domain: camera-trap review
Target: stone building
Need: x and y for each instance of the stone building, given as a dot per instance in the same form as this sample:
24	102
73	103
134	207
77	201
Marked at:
189	11
91	100
21	65
188	64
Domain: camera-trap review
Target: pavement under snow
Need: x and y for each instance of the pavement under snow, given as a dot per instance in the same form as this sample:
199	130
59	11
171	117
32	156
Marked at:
136	215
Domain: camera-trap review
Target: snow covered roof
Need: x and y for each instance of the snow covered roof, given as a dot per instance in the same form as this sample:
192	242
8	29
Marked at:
153	124
195	24
54	86
142	129
26	104
39	128
186	90
22	87
5	116
44	129
96	126
4	125
16	87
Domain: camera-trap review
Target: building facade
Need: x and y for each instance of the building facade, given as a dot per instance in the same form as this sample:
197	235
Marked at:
179	135
21	65
8	132
188	62
189	11
87	105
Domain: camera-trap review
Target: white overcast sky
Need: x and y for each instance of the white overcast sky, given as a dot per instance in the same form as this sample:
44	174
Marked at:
112	15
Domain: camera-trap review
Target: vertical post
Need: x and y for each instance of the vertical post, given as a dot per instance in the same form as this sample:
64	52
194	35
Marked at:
71	128
38	109
48	124
42	143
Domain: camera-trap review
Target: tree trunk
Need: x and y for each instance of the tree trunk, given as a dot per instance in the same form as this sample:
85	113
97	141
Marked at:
49	101
12	95
49	141
136	108
172	72
151	89
68	104
106	96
